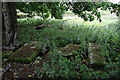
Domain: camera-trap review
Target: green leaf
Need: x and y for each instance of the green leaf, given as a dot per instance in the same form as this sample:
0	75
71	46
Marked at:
109	59
98	15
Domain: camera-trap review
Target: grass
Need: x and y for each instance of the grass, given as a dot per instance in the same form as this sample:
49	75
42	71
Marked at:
6	54
107	18
76	31
71	31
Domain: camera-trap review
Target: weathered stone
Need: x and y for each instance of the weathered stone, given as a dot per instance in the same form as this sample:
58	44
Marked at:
26	53
41	26
69	49
96	58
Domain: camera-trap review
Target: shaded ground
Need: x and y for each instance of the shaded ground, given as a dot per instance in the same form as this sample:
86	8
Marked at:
26	71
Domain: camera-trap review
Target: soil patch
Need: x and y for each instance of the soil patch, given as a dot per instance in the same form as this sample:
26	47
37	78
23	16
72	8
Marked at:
20	71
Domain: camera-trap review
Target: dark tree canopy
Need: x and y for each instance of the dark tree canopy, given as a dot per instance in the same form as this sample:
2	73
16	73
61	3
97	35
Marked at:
57	9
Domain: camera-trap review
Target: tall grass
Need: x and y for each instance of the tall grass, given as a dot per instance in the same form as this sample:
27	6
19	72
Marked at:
64	32
79	32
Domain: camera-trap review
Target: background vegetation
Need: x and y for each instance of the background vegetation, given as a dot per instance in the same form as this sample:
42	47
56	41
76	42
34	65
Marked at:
77	31
74	23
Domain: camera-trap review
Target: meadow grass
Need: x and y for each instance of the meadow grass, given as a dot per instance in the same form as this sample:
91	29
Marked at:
71	31
77	31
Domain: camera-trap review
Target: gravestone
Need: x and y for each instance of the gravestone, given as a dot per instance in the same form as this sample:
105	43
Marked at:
69	49
96	59
26	53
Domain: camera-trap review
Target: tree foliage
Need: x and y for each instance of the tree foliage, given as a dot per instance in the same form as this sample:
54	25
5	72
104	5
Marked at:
80	9
57	9
43	9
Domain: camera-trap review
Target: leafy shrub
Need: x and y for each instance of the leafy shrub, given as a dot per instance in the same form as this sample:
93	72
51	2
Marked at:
6	54
80	33
60	67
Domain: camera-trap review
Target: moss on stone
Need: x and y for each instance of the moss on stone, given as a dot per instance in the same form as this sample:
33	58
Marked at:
26	53
69	49
96	59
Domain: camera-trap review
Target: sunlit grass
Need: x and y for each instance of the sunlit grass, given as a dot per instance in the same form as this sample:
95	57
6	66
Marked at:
72	28
76	31
106	17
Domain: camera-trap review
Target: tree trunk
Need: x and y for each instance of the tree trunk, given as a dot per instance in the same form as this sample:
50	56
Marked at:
10	22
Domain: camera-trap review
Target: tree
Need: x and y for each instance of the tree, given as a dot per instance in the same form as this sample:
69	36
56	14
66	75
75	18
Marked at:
80	9
56	9
10	20
43	9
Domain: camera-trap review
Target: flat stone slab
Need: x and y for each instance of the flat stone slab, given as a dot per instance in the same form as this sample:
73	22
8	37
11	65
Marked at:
96	59
69	49
26	53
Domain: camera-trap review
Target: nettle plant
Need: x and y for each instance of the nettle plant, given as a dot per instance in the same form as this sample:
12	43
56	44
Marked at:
60	67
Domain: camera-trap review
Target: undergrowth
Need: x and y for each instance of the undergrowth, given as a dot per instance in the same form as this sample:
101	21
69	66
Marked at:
60	34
